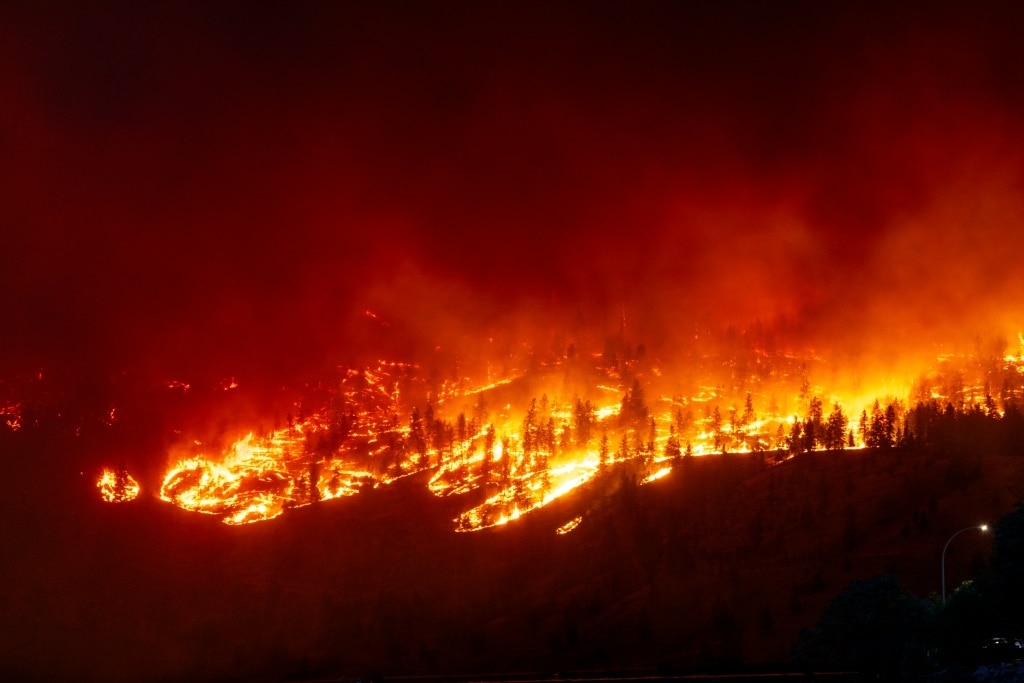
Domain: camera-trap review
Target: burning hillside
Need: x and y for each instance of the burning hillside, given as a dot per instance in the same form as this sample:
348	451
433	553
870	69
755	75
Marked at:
286	280
503	450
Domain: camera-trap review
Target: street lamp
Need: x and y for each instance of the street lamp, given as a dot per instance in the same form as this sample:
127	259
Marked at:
983	527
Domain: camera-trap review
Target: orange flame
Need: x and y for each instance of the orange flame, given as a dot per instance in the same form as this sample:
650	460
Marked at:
371	435
117	486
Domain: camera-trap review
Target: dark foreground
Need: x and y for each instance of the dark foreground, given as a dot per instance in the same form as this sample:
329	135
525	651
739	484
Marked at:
716	567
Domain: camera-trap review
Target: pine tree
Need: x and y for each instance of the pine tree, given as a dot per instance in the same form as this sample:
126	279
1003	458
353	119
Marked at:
461	429
485	468
417	438
716	427
672	449
748	410
835	430
812	427
480	409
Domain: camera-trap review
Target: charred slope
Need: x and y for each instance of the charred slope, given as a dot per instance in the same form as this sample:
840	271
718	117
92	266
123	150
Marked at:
718	564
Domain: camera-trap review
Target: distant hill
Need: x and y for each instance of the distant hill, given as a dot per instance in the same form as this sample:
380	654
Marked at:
718	564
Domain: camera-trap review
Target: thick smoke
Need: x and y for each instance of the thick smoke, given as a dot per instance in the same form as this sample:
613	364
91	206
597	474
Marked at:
220	189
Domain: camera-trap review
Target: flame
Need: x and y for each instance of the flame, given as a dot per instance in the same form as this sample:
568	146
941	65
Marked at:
387	422
257	480
12	416
569	526
117	486
657	475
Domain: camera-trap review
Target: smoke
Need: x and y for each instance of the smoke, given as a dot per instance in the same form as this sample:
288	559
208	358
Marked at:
235	188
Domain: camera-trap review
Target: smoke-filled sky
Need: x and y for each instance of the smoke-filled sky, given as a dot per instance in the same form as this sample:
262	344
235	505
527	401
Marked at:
239	182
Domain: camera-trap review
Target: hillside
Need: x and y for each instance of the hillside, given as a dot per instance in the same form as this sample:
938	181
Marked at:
720	563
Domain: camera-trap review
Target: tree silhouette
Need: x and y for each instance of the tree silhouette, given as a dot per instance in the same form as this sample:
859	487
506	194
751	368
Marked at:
582	422
417	438
813	433
873	626
672	448
634	412
835	429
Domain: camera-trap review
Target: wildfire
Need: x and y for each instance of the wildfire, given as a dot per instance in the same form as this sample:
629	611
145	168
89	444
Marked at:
657	475
569	526
258	479
388	422
117	486
527	488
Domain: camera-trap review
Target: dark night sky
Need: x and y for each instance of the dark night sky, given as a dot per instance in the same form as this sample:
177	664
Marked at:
237	182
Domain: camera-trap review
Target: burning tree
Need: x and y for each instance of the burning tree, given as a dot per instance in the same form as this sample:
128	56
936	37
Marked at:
117	486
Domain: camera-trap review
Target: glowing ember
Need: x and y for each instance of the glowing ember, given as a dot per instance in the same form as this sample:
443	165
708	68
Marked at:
117	486
11	416
569	526
657	475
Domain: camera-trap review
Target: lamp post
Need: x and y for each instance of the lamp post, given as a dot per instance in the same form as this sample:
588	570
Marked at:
983	527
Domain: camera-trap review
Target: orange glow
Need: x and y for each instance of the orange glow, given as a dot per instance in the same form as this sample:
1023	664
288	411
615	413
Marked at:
117	486
569	526
258	479
657	475
11	416
519	442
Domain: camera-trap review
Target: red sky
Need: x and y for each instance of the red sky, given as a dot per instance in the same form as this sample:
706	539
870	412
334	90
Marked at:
238	182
